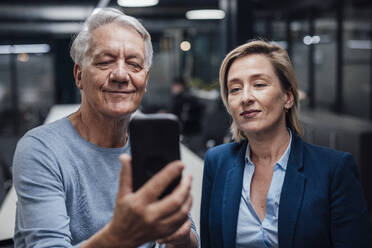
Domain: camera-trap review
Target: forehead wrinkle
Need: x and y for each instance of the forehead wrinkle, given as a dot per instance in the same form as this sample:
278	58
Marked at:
99	42
233	80
251	77
103	53
260	75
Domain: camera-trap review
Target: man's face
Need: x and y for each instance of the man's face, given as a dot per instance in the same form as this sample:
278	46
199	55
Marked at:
113	78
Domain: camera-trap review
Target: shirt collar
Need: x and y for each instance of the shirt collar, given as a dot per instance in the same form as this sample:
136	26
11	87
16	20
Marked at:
283	161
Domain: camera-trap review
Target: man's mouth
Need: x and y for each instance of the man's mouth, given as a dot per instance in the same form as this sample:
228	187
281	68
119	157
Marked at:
124	92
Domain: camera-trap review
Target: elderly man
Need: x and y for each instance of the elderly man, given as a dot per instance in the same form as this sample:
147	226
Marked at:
72	188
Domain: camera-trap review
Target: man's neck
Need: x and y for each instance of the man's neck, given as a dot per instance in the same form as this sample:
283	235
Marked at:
99	130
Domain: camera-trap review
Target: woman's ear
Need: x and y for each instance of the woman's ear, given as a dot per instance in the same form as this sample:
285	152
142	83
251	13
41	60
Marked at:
77	76
289	99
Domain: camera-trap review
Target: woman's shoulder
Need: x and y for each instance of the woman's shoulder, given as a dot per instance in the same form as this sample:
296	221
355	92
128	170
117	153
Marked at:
226	149
323	151
326	158
221	154
221	158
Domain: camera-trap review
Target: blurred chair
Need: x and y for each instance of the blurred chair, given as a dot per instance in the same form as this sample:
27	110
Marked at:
216	126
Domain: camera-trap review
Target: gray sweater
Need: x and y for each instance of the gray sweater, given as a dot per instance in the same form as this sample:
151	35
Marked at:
66	186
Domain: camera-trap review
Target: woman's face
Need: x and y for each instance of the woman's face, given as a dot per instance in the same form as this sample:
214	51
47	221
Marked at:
255	97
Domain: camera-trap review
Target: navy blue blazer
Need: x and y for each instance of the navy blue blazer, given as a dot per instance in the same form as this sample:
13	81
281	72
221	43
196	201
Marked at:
321	204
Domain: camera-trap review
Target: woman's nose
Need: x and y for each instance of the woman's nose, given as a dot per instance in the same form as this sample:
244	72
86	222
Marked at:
247	96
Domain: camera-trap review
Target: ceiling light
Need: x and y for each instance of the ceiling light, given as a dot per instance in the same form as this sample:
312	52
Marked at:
307	40
203	14
137	3
29	48
185	46
23	57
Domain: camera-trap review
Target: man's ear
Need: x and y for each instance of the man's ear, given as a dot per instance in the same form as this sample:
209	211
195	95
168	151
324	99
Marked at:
77	76
147	79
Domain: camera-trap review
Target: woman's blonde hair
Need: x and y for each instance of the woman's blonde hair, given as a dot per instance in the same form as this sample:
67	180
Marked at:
283	69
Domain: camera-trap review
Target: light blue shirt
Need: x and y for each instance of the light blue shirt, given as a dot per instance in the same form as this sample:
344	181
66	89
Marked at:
251	232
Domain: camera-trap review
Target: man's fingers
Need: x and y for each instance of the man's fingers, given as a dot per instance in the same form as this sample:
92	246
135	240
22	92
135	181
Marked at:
183	230
174	201
156	185
125	182
180	216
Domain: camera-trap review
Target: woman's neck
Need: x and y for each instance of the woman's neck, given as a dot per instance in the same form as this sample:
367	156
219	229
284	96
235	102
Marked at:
268	147
101	131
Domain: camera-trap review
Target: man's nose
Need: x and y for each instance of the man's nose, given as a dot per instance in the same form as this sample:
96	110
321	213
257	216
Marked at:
119	74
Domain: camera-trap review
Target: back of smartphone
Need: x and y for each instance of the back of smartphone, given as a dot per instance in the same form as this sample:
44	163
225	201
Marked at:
154	140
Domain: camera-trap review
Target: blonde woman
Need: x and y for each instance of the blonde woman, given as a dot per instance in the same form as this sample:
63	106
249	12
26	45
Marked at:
269	188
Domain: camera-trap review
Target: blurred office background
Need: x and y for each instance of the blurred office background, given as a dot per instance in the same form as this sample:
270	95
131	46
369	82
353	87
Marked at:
329	41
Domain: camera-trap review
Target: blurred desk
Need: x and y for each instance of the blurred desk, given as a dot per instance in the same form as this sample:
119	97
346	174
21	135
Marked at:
194	166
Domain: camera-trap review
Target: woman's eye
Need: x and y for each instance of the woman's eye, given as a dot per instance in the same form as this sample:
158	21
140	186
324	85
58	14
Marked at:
234	90
259	85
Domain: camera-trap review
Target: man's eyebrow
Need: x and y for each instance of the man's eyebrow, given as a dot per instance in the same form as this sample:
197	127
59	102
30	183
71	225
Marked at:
102	54
135	55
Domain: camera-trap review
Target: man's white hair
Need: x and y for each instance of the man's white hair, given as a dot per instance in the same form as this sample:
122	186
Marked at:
81	43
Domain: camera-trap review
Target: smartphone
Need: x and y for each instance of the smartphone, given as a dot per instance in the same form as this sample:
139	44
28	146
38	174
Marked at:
155	142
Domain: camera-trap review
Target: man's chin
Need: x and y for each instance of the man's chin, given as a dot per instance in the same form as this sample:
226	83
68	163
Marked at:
120	113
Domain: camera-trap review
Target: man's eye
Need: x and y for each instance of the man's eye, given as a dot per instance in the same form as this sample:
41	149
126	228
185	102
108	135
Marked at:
135	66
103	63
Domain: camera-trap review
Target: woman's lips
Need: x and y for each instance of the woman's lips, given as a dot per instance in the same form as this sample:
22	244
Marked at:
250	113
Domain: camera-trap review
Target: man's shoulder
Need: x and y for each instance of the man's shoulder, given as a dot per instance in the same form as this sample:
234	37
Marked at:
46	136
53	129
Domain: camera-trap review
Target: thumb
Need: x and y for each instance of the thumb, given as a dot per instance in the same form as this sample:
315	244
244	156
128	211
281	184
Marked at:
125	181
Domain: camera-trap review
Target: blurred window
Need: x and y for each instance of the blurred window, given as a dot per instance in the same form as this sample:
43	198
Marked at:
26	105
325	61
299	29
357	66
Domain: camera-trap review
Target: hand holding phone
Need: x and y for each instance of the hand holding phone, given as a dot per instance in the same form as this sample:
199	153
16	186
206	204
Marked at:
154	140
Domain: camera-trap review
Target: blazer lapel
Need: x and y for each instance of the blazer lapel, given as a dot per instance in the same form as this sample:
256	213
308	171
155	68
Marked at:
231	198
292	195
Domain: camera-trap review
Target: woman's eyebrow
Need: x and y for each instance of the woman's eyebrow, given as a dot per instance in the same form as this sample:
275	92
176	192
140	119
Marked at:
260	75
233	80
